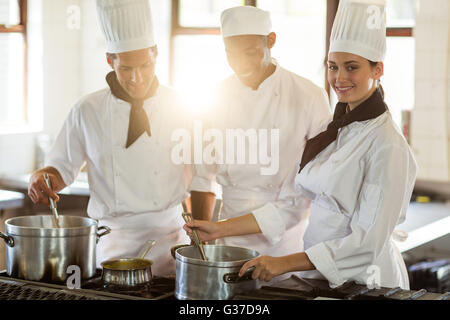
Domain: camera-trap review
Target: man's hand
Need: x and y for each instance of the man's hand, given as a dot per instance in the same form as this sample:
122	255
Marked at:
38	190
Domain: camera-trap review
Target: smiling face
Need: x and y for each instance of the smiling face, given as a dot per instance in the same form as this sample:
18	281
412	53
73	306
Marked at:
249	57
352	77
135	70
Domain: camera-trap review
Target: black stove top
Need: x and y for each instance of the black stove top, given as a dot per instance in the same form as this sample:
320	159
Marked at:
162	288
91	289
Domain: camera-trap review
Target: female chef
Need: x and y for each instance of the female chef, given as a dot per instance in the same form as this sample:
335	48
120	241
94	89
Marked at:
359	173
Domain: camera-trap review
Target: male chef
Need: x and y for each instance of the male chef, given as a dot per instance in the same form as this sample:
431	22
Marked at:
260	96
123	133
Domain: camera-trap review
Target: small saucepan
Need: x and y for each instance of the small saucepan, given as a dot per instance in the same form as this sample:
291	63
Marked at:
129	272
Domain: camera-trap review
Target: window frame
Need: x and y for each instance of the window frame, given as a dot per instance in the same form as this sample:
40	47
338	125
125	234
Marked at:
22	29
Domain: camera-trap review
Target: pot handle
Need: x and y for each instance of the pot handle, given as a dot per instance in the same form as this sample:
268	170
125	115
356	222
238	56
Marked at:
233	277
8	239
107	230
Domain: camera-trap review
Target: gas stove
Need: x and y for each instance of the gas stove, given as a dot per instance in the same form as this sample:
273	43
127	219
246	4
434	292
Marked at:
162	288
91	289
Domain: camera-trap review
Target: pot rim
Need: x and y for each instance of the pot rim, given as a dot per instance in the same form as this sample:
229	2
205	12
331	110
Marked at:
110	261
17	230
217	264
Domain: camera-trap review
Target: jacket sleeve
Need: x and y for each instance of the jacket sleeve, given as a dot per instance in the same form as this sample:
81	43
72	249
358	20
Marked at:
68	152
383	199
204	178
274	218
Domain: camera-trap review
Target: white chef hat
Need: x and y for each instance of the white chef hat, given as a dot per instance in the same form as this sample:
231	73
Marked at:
243	20
360	28
126	24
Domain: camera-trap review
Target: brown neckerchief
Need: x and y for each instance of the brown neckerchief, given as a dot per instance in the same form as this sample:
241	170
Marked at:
139	122
369	109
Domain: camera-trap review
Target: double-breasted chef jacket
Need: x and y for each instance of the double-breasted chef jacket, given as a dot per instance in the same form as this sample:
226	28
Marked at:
360	187
136	191
299	109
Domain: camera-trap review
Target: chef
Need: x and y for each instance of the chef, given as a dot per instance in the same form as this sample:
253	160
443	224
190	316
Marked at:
123	134
263	96
359	172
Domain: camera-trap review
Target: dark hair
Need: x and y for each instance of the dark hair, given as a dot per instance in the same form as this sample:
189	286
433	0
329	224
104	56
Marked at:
373	64
113	56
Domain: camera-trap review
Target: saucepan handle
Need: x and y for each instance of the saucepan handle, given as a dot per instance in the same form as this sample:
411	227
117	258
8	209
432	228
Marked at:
8	239
233	277
107	230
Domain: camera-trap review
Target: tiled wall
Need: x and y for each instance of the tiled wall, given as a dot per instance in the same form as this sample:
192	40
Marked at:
430	127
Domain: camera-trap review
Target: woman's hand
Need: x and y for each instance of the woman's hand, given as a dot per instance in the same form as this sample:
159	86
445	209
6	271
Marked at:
266	267
206	230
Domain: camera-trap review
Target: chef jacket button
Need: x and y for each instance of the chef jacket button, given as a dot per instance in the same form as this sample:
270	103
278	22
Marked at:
117	174
155	172
270	185
155	203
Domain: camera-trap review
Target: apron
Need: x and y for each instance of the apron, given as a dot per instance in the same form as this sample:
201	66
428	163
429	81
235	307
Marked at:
129	234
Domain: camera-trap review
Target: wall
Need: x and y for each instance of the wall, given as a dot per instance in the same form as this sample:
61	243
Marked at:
430	130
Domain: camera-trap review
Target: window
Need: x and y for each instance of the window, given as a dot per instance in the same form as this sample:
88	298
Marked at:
300	26
204	13
12	63
198	59
400	13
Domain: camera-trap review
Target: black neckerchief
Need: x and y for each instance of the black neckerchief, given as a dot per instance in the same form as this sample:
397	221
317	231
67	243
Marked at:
138	123
373	107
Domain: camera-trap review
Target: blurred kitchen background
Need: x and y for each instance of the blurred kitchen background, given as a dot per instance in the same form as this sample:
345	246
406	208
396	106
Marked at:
52	52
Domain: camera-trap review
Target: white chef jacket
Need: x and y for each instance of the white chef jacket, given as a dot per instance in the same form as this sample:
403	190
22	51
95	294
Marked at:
299	109
136	191
360	187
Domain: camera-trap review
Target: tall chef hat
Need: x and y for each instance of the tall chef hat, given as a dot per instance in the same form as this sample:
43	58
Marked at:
360	28
126	24
244	20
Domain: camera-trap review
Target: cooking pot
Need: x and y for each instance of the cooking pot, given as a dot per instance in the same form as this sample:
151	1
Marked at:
214	279
129	272
39	252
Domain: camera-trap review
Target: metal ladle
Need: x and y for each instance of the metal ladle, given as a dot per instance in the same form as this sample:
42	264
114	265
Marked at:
188	217
52	203
148	245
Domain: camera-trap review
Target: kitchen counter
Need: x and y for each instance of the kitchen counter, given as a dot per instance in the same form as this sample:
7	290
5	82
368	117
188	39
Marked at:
11	199
424	222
